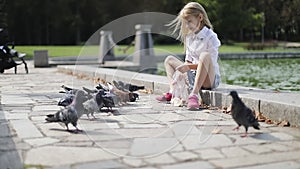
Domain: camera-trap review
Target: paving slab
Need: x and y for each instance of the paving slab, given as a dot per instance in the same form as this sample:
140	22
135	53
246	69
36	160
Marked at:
25	129
161	159
109	164
56	155
185	156
36	142
208	154
285	165
243	161
9	155
190	165
149	147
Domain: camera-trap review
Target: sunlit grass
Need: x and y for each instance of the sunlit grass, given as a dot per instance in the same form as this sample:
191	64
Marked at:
53	51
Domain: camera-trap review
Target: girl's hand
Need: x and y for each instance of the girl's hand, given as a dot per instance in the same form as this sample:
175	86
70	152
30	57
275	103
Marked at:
183	68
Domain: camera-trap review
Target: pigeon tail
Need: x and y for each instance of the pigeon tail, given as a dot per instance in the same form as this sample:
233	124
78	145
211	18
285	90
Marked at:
66	88
135	87
89	91
52	118
256	125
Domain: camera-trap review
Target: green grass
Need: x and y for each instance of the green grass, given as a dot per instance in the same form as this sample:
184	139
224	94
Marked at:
58	51
53	51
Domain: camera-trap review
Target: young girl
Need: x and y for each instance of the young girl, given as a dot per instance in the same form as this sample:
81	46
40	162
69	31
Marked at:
201	46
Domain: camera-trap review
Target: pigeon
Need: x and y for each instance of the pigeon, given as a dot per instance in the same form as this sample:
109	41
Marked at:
133	96
118	86
241	114
91	107
89	91
68	89
71	113
102	86
133	88
124	94
104	99
127	86
66	100
68	97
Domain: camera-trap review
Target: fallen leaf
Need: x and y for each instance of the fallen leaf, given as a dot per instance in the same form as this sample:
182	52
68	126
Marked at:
226	110
229	108
216	131
269	121
284	123
204	106
146	91
97	80
259	116
213	108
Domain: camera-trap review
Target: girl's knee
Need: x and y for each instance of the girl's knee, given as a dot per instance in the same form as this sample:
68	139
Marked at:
204	57
170	58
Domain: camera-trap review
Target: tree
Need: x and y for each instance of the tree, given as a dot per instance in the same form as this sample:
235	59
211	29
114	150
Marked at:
56	22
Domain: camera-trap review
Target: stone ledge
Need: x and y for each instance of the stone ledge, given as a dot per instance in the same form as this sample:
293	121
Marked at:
277	106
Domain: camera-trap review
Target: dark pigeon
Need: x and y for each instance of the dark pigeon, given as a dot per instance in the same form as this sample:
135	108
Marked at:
104	99
241	114
133	96
133	88
71	113
102	86
69	89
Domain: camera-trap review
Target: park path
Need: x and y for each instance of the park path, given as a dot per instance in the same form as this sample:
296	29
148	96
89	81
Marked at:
143	134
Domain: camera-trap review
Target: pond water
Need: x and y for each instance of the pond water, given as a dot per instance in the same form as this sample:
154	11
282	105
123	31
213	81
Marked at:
274	74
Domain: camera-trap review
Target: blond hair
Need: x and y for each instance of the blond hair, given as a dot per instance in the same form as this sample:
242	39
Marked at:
194	9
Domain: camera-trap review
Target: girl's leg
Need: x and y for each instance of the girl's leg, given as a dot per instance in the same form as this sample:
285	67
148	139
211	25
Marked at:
171	62
205	75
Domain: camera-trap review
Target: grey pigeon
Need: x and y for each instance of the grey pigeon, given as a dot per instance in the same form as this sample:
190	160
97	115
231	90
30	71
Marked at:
68	97
127	86
71	113
91	107
89	91
241	114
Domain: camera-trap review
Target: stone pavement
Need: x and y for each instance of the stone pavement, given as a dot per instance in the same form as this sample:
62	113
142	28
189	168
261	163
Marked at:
143	134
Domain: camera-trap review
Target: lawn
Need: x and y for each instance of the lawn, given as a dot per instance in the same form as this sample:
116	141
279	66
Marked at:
58	51
53	51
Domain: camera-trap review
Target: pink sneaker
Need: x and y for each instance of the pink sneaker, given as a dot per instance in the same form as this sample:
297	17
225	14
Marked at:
166	97
193	103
